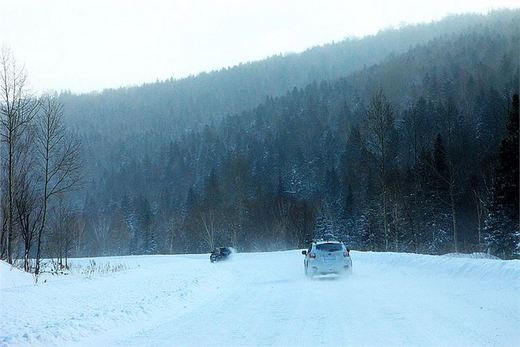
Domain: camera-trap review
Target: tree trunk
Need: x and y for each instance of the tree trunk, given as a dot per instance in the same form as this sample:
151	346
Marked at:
454	217
44	208
26	266
10	198
478	208
385	221
40	232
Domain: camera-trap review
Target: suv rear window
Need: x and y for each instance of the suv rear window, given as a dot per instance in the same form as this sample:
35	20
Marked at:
330	247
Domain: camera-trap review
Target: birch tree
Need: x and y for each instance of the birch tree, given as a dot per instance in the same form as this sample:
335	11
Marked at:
26	202
17	109
58	155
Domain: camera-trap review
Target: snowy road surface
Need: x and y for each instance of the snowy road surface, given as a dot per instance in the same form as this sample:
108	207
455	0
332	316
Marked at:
264	299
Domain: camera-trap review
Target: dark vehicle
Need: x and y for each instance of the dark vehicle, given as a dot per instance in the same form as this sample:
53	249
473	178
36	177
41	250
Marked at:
220	253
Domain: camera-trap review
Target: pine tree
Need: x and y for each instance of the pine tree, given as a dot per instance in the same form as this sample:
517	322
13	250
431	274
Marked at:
145	221
508	170
433	215
501	224
323	223
348	230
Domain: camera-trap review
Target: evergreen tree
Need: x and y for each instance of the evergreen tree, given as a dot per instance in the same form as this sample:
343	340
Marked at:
145	224
508	172
501	224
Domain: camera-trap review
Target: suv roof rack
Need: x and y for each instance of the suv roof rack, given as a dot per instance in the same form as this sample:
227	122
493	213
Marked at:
324	240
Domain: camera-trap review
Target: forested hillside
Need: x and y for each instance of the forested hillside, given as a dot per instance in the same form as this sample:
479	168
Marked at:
401	155
404	141
182	105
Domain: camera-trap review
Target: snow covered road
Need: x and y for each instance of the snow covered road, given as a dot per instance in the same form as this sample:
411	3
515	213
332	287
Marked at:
264	299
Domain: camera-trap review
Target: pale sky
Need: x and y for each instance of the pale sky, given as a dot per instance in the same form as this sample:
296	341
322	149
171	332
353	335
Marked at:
90	45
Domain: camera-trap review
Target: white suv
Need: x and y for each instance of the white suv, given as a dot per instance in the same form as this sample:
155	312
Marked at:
327	257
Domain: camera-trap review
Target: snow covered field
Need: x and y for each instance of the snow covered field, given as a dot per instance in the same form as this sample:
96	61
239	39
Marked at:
264	299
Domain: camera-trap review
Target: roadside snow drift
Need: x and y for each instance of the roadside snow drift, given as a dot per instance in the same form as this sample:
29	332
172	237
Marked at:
265	299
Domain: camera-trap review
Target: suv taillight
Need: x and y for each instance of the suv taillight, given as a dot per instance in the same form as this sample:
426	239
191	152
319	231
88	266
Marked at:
312	255
346	254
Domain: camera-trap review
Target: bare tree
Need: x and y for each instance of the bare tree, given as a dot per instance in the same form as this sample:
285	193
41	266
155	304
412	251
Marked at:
208	221
379	125
281	211
17	109
175	235
448	118
3	220
26	197
58	154
62	225
101	230
442	166
79	232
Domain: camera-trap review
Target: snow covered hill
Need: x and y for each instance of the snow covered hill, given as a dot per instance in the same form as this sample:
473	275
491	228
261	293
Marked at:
264	299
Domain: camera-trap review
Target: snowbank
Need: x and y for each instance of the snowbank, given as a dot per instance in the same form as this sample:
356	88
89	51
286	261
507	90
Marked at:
455	267
65	309
476	255
11	277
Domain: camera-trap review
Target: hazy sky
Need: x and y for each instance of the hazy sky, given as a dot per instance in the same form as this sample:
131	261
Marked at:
90	45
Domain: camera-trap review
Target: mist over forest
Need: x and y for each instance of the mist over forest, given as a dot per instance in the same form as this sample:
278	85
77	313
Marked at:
403	141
